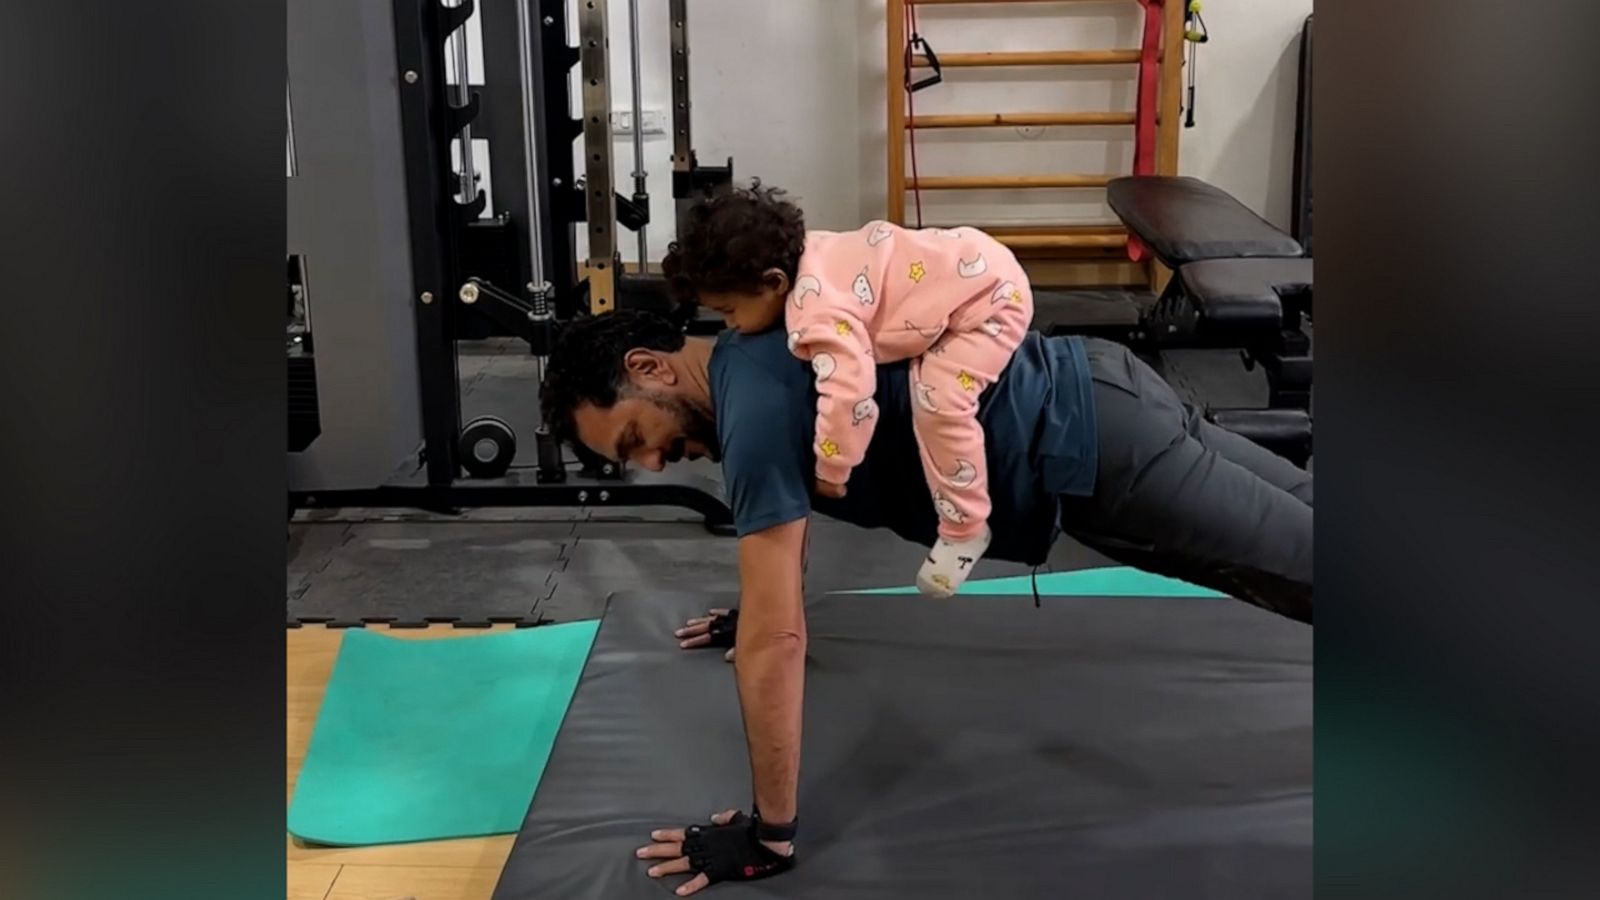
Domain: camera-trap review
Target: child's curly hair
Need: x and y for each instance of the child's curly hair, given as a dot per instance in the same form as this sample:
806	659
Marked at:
727	241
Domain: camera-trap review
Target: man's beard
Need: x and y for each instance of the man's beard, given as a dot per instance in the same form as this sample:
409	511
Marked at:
695	424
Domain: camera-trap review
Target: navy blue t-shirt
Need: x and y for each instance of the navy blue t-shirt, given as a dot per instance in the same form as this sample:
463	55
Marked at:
1038	424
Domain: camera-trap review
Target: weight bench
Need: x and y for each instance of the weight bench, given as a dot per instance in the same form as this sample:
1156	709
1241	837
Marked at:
1238	281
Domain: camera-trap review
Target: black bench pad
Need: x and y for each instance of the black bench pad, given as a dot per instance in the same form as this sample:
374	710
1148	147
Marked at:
1266	425
1286	432
1183	220
1244	292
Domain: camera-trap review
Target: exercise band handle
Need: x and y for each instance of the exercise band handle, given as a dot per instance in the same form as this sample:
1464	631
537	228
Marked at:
919	42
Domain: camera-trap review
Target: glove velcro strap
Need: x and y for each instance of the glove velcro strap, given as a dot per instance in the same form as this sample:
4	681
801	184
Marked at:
731	852
772	831
723	628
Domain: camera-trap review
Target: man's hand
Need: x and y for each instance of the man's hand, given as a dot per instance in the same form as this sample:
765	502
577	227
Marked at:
830	490
722	855
696	632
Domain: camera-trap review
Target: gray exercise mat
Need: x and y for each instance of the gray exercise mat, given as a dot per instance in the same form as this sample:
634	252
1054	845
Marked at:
975	747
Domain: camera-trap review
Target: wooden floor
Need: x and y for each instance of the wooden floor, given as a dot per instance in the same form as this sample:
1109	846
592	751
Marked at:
464	869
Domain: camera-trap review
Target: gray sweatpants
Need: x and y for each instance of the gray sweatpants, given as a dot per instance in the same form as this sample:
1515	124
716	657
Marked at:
1178	496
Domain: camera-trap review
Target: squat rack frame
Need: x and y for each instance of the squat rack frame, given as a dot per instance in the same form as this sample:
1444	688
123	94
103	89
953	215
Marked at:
551	287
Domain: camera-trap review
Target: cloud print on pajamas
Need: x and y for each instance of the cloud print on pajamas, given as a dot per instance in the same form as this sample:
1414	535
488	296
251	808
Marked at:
862	288
805	284
879	234
965	474
824	365
973	268
863	411
946	508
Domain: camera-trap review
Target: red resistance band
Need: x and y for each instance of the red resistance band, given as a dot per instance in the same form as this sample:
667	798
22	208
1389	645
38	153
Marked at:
1144	129
1144	140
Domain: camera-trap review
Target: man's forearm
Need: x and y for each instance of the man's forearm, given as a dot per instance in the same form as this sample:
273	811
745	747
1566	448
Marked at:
770	669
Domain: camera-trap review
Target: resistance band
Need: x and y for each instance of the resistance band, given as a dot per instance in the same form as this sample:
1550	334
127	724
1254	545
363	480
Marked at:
1195	36
916	41
1144	138
1144	117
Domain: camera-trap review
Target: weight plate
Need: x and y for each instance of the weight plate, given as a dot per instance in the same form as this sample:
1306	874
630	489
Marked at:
486	447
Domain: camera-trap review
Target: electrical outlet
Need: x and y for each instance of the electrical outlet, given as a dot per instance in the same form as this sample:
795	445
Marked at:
654	121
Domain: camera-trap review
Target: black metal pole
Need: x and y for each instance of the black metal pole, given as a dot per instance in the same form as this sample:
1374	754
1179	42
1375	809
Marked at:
502	124
463	74
683	162
428	123
555	128
641	195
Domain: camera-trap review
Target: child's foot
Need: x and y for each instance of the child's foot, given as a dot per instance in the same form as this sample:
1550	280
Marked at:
949	563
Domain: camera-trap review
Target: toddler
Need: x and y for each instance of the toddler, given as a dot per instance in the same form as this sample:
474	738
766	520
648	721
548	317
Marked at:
953	301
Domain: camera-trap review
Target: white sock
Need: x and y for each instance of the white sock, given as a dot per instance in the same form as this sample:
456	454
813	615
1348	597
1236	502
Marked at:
949	563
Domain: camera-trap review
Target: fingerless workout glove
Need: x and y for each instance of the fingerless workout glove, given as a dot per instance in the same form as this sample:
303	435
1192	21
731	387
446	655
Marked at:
732	852
722	629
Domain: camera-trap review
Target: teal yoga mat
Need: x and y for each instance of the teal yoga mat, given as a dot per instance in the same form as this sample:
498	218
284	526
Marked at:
1113	581
427	739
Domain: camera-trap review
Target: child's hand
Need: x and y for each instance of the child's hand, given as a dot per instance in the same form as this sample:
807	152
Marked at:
829	489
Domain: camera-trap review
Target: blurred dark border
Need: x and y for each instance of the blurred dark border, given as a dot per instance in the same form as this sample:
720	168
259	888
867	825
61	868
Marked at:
144	410
1458	172
1458	716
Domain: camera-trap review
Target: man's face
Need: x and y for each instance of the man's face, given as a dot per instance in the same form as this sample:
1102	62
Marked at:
651	424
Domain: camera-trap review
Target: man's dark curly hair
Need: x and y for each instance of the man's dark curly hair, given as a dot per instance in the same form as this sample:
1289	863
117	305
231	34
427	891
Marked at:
727	241
586	363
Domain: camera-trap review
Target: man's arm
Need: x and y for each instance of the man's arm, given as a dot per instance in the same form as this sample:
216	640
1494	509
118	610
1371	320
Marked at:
770	663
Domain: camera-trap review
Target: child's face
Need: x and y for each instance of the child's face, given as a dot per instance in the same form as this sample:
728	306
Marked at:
750	312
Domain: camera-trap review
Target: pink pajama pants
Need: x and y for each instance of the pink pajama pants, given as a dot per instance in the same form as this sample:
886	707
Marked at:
946	381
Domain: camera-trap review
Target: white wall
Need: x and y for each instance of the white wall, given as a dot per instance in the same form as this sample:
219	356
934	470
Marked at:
777	86
774	85
794	91
1247	81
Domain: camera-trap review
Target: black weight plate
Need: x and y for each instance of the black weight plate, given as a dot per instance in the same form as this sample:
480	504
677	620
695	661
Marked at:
492	433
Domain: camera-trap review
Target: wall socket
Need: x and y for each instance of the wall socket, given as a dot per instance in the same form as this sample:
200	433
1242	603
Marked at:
654	122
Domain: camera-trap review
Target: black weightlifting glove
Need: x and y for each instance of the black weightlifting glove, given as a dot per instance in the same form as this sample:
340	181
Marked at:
732	852
723	627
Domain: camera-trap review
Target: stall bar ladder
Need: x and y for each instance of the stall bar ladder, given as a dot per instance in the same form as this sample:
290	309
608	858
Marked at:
1155	121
